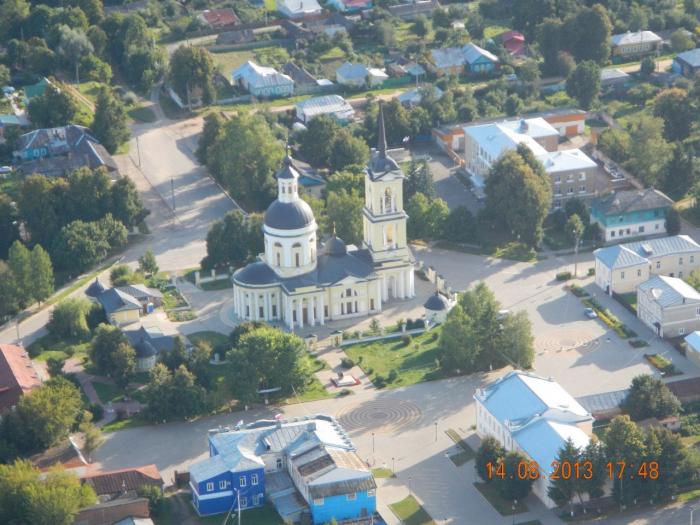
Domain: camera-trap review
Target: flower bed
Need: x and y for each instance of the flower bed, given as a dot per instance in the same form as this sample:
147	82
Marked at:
663	365
610	319
578	291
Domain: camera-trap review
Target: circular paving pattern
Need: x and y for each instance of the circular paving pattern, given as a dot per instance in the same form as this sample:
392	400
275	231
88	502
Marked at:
565	340
380	415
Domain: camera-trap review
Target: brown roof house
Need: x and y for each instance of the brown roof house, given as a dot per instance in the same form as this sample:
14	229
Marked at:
219	19
17	375
113	484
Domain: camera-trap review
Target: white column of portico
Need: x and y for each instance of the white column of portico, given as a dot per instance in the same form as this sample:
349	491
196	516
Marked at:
312	311
399	286
321	312
255	306
412	282
288	315
407	280
268	315
379	295
385	287
300	313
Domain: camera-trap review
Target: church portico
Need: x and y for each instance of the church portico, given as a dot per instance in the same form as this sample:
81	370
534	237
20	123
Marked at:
297	284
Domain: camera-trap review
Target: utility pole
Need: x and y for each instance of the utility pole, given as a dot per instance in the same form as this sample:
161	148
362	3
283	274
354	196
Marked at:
138	150
77	75
172	191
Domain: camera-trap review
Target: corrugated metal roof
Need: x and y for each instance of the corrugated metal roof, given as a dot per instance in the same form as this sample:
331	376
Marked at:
543	438
634	253
637	37
670	291
692	57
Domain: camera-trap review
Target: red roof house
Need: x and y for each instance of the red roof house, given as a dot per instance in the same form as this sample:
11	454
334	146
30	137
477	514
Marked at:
17	375
220	18
110	484
514	42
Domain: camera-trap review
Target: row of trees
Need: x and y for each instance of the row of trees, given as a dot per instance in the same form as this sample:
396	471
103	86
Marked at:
476	337
27	277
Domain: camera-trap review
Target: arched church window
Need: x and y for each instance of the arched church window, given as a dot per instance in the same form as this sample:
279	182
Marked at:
390	234
388	204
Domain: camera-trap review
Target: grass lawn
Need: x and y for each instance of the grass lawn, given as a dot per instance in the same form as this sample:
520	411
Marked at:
47	347
466	454
142	114
414	363
230	60
11	184
219	284
122	424
631	299
494	29
504	507
410	512
685	497
213	338
382	473
89	89
107	392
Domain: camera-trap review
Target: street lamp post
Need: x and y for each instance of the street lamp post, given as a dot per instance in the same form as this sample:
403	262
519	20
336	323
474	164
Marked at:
372	442
515	504
692	509
577	236
410	493
393	467
436	432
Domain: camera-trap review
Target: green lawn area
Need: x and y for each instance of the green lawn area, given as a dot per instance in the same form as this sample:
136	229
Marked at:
107	392
466	454
219	284
122	424
414	363
382	473
685	497
504	507
631	299
410	512
230	60
47	346
89	89
494	29
142	114
213	338
334	53
271	5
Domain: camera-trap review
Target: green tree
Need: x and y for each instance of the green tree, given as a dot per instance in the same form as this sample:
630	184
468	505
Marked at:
20	263
92	439
348	150
155	497
110	125
232	242
514	105
650	397
490	451
673	221
595	453
681	40
549	35
575	206
192	73
55	366
244	159
583	83
517	346
211	132
176	356
514	487
647	67
8	225
73	46
42	279
421	26
198	362
574	228
44	416
648	150
122	275
347	180
624	441
615	143
54	108
124	365
9	302
460	225
267	358
426	217
104	346
344	212
316	143
30	496
670	456
519	196
673	107
68	319
82	244
563	489
457	351
173	395
588	33
126	204
147	263
12	14
680	171
419	179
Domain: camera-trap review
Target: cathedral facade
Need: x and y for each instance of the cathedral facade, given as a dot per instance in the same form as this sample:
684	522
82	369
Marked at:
297	284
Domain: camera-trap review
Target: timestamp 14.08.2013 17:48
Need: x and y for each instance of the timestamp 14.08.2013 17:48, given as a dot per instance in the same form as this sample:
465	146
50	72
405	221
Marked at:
573	470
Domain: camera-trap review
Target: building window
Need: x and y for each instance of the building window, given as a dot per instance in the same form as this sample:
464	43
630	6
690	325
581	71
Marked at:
279	260
351	497
256	500
697	312
371	493
371	304
253	479
680	261
247	311
622	275
557	180
680	275
274	310
261	312
581	176
639	273
244	502
582	188
279	463
681	331
222	485
612	233
692	259
296	259
318	502
641	229
325	310
210	486
242	481
658	265
656	226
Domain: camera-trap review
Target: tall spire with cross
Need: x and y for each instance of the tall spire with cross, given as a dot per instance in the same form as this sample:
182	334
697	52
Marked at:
381	133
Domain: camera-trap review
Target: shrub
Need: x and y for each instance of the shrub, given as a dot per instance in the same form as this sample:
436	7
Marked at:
393	376
346	363
369	371
564	276
406	340
344	392
637	343
35	349
578	291
379	381
591	272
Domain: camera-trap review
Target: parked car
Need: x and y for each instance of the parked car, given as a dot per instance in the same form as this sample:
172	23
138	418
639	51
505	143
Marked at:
502	314
4	170
590	313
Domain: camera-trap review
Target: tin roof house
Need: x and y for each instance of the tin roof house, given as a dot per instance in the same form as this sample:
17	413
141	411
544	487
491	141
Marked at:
307	467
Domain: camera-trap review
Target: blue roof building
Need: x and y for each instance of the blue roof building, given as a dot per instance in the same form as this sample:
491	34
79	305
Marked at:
304	467
533	415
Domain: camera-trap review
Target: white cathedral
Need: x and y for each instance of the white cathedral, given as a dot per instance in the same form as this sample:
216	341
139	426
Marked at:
293	284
